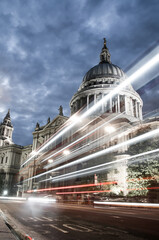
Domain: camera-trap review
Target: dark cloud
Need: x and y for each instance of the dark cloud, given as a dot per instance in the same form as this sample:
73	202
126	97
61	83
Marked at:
47	47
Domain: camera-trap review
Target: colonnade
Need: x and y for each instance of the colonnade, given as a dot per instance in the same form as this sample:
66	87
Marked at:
117	104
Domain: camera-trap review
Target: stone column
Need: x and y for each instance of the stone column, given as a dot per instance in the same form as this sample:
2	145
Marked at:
95	98
87	101
110	104
118	104
140	111
126	107
132	109
102	103
136	109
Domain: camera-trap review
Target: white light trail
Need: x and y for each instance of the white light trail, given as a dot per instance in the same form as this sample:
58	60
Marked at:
41	200
132	141
13	198
148	77
145	68
79	150
100	167
81	138
85	148
152	205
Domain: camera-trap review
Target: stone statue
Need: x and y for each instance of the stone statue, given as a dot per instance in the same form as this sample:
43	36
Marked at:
60	110
37	125
105	43
48	121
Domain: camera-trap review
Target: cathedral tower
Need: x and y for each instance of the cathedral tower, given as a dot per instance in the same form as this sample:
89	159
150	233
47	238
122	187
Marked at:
6	130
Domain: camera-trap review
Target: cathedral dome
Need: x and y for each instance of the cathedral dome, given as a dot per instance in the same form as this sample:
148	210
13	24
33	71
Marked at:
104	70
98	82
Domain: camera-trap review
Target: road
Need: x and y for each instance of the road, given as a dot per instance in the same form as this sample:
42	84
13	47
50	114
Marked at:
72	222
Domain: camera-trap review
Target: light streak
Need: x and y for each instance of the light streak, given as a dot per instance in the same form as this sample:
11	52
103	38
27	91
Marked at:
101	191
13	198
90	185
82	138
79	192
132	141
101	167
153	61
73	186
41	200
88	145
28	237
148	65
153	205
81	150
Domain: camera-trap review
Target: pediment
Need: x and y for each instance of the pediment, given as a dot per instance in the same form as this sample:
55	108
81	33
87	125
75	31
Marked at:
56	122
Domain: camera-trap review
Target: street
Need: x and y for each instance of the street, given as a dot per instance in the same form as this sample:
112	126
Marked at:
69	222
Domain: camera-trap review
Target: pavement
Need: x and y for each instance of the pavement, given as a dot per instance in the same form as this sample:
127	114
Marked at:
5	232
9	231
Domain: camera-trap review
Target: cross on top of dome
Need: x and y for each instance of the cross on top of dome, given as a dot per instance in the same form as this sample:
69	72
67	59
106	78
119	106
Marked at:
104	42
105	55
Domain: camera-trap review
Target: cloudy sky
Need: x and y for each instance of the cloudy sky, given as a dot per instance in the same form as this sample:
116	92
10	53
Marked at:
46	47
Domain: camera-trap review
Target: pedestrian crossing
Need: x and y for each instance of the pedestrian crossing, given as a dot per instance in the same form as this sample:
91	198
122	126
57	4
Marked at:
64	225
54	223
36	219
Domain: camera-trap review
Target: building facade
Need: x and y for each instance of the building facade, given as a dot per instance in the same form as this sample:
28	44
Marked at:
12	155
98	141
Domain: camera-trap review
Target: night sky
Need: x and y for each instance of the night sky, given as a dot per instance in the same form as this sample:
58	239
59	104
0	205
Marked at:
46	47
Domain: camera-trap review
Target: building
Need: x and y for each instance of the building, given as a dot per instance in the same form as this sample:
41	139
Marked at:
10	157
13	155
97	141
116	121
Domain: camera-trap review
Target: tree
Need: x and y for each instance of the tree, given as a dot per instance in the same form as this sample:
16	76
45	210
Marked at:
143	173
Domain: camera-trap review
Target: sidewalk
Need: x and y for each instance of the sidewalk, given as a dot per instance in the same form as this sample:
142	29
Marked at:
5	233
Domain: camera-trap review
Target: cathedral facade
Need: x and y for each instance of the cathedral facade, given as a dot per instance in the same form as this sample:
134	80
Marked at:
123	111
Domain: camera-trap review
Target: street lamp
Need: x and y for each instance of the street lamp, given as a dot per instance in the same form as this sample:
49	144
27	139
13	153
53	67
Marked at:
50	160
109	129
5	192
66	152
75	118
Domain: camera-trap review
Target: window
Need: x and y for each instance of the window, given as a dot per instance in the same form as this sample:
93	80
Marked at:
7	134
2	159
6	159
